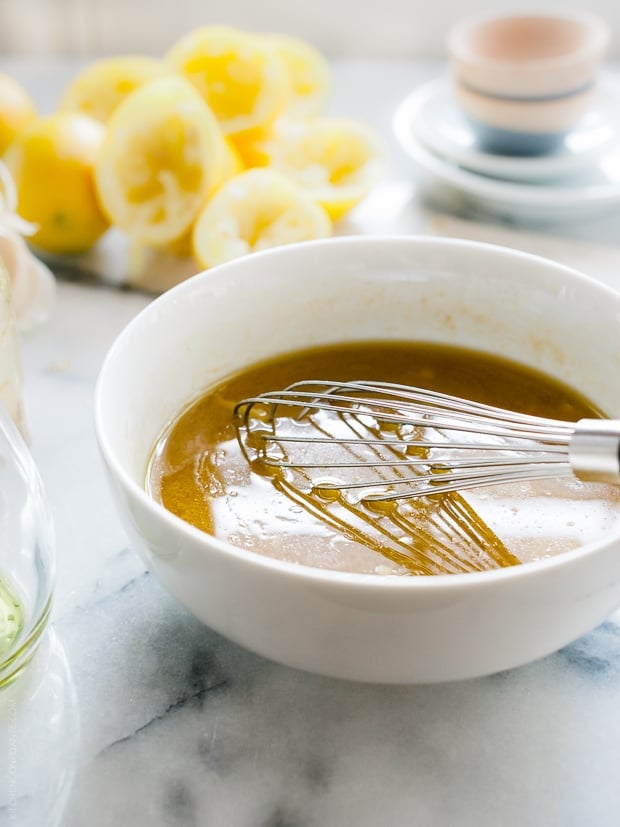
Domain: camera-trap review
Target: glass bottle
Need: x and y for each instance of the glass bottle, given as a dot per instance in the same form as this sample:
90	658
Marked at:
26	533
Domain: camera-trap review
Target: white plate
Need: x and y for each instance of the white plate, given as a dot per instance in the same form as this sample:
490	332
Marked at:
593	190
435	119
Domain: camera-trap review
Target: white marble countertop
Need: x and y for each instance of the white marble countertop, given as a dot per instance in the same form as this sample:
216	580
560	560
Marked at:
163	722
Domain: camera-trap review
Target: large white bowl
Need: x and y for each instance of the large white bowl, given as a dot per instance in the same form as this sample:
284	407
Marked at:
364	627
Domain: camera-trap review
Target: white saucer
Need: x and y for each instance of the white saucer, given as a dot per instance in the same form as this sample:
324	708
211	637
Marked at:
592	190
435	119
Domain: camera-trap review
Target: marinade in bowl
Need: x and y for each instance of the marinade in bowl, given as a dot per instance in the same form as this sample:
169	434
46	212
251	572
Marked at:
199	472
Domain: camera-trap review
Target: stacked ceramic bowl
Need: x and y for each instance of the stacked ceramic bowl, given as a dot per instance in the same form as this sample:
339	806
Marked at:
524	124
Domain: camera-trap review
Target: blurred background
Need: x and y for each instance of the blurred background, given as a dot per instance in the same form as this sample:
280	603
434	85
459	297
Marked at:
351	28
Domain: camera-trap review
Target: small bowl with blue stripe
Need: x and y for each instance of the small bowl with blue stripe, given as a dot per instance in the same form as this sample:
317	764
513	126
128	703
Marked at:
525	81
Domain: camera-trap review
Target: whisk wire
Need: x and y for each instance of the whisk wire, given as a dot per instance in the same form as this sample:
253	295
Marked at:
442	541
416	407
426	442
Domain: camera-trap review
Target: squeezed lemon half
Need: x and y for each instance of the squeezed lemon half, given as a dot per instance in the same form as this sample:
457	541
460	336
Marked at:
240	76
16	110
99	88
255	210
308	75
163	154
337	161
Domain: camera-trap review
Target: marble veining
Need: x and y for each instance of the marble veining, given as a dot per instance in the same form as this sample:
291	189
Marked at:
134	713
596	654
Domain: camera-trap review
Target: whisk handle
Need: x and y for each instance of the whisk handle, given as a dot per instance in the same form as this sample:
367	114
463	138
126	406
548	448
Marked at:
594	450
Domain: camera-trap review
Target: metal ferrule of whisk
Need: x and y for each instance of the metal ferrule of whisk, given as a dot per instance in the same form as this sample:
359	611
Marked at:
594	450
380	441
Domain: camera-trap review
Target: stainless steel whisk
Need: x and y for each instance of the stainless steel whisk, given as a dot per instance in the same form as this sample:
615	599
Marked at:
378	441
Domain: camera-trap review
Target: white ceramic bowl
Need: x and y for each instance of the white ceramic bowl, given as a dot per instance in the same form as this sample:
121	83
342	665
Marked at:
364	627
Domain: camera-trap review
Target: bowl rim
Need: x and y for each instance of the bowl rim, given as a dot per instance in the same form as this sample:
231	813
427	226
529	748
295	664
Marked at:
311	574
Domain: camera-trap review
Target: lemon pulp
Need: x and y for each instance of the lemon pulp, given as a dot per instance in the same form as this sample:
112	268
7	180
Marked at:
162	155
104	84
242	79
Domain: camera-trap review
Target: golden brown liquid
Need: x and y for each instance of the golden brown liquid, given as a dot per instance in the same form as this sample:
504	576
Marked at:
198	471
